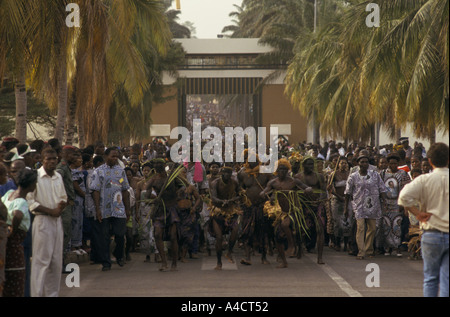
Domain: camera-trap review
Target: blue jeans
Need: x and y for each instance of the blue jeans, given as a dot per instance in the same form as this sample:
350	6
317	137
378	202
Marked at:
435	263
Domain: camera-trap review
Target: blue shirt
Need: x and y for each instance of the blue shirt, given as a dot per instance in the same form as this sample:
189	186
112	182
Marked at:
110	182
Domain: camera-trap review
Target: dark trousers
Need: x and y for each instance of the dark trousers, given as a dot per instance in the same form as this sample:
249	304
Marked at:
95	234
103	231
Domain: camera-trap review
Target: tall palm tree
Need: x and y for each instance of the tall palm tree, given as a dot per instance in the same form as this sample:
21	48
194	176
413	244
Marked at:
14	57
235	28
413	56
104	54
116	61
356	76
178	30
51	47
279	24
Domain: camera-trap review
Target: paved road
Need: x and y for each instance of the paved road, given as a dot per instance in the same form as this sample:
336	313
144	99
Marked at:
341	276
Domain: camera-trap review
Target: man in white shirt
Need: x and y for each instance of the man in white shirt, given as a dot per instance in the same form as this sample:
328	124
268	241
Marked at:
47	203
431	193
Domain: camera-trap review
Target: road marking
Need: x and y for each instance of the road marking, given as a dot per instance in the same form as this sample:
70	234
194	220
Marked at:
210	262
339	280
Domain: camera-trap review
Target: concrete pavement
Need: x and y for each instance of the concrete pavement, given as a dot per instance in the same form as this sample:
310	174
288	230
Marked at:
341	276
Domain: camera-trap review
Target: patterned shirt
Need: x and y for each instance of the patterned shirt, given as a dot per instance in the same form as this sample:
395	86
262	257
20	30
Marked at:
394	183
365	191
110	182
89	205
78	177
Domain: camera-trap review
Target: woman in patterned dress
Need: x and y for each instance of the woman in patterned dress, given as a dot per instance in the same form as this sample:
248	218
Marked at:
19	221
388	235
78	208
144	223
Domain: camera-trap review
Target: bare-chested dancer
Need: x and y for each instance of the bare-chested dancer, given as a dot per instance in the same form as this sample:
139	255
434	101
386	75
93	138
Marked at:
225	212
315	203
284	183
166	218
254	223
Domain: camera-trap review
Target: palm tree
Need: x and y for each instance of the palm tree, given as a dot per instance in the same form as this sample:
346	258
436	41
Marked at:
393	74
51	47
115	64
235	29
14	56
413	56
178	30
278	24
90	63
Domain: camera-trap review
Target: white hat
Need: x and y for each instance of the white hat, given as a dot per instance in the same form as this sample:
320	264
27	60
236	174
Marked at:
15	157
28	150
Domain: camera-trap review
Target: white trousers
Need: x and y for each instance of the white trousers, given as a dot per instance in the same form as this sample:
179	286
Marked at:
47	256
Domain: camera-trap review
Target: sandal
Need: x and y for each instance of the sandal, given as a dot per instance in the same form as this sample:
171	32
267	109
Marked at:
359	257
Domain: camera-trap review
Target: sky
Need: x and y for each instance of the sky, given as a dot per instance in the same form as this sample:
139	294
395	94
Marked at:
209	16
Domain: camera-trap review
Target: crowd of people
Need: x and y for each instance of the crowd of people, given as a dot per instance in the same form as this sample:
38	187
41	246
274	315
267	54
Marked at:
58	200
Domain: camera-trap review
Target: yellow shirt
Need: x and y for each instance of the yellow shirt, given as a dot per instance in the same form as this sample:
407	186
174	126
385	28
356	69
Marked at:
431	192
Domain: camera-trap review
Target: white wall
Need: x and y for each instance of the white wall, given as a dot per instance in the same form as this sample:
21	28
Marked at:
440	137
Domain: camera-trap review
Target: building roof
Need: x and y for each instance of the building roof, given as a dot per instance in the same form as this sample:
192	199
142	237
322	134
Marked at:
223	46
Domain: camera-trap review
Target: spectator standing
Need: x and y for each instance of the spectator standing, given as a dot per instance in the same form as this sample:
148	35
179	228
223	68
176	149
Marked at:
69	156
112	205
390	226
431	192
3	229
79	185
90	212
47	203
19	221
426	167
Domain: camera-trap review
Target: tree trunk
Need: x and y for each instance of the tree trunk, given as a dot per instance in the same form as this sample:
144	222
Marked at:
398	134
80	125
71	119
373	135
316	129
62	99
432	137
20	91
377	134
